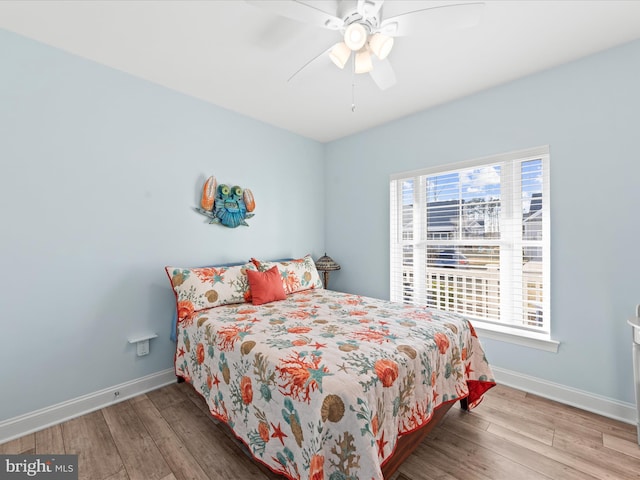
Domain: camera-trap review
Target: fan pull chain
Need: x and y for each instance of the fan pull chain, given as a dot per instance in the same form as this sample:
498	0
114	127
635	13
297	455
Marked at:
353	97
353	85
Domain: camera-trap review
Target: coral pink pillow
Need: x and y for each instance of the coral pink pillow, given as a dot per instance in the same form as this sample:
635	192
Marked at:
266	286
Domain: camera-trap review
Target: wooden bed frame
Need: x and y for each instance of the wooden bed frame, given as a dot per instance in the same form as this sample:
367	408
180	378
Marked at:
406	443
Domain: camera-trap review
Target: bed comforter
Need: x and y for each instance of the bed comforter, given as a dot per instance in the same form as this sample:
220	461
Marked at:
322	384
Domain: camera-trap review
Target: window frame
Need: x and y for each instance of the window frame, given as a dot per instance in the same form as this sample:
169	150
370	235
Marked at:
532	337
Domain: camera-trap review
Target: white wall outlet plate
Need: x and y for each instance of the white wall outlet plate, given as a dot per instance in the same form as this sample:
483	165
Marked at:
143	347
142	343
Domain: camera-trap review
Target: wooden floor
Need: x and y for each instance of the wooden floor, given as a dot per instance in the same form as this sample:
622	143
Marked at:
167	434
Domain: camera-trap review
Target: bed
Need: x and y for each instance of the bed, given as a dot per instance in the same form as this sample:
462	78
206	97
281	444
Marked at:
318	383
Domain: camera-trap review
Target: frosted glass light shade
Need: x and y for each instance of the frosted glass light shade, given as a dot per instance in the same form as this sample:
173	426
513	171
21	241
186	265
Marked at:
339	54
381	45
355	36
363	62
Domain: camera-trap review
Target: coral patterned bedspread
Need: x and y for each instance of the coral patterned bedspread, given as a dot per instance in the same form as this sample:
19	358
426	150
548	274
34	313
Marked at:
321	385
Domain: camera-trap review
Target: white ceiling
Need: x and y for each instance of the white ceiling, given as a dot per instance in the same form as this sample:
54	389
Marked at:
238	56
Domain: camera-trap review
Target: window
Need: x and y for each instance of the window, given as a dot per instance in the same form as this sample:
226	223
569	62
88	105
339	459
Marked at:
473	238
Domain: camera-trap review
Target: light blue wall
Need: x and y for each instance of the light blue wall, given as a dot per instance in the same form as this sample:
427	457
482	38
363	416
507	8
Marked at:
99	174
588	112
100	171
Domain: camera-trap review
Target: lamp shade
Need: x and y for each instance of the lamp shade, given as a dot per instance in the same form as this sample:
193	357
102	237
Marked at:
326	263
355	36
381	45
339	54
363	62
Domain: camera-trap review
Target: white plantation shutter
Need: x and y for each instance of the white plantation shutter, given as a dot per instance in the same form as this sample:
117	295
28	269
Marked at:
473	238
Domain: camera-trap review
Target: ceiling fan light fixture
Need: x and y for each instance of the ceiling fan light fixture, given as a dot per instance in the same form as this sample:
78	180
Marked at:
363	62
355	36
381	45
339	54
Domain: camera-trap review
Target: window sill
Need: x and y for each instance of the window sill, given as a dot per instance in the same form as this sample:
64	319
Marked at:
512	335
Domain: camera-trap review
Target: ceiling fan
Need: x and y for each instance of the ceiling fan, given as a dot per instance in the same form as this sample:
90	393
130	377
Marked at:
366	33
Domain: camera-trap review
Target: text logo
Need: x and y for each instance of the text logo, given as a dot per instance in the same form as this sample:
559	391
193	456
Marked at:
49	467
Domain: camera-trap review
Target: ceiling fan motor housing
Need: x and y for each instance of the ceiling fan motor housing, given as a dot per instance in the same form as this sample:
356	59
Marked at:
369	23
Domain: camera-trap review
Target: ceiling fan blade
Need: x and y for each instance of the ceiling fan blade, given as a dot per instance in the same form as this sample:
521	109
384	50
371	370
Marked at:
369	8
299	11
317	61
382	73
433	19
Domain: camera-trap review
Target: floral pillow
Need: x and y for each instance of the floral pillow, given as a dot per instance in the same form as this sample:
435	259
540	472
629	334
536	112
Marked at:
206	287
297	275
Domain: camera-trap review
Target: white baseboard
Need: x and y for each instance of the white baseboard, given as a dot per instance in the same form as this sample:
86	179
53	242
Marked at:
40	419
608	407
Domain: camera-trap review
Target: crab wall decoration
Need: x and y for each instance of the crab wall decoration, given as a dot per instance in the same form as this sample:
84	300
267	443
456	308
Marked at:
228	206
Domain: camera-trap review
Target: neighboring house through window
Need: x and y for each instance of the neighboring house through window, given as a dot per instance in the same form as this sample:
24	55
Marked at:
473	238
